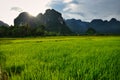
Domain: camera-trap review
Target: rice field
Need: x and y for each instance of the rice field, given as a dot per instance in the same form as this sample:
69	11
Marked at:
61	58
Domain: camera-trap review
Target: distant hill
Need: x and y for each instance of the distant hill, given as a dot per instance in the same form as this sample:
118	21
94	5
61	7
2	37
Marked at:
3	24
77	26
51	19
100	26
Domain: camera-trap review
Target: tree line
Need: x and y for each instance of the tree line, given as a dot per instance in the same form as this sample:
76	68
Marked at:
24	31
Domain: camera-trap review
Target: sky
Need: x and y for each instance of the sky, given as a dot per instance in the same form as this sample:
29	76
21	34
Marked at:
85	10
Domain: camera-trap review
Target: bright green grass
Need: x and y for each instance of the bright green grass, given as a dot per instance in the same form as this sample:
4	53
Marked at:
61	58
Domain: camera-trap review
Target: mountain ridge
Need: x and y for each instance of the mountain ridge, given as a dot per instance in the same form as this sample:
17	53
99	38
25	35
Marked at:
100	26
51	19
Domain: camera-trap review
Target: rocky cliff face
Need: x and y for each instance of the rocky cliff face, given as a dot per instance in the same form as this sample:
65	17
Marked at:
52	20
25	19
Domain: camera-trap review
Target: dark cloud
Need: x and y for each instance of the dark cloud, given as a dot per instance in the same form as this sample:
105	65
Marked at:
89	9
16	9
77	13
77	2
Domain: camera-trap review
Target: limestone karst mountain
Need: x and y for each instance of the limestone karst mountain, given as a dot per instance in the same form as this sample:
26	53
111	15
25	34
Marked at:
100	26
25	18
51	19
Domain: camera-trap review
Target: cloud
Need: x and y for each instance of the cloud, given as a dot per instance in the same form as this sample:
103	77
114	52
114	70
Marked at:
70	7
16	9
105	9
67	1
88	9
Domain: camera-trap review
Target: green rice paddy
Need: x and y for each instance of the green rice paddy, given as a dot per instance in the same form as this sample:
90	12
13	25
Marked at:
61	58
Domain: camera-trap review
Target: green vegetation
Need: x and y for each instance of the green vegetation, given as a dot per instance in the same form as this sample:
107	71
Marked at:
22	31
61	58
91	31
